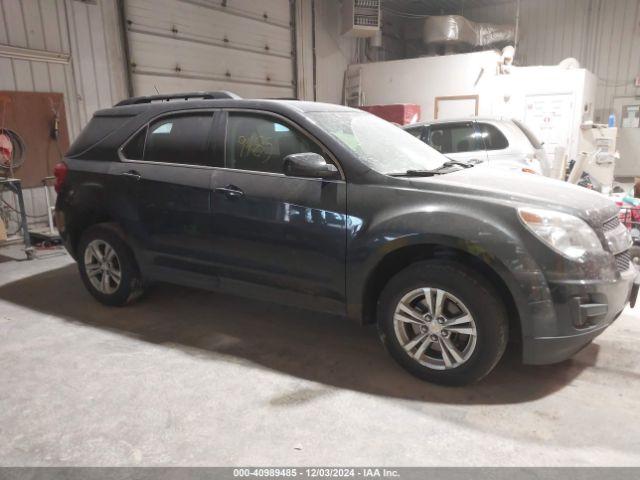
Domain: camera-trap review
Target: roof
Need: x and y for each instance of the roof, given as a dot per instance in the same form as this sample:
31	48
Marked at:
458	120
306	106
139	105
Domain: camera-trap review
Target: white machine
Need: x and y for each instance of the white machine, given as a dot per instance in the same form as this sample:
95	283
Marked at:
597	156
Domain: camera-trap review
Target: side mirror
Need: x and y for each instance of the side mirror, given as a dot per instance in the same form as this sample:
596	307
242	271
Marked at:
310	165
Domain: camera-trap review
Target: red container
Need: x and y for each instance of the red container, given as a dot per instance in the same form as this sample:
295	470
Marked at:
400	113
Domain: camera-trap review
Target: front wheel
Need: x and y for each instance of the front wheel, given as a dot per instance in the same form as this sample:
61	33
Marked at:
442	323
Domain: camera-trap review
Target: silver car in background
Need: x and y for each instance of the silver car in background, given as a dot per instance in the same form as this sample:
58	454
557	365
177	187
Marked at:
499	142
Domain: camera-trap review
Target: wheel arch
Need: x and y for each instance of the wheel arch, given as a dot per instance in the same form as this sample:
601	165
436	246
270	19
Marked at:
83	220
400	258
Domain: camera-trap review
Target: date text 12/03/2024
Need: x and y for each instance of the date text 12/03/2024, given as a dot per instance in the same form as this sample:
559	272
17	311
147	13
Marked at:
316	472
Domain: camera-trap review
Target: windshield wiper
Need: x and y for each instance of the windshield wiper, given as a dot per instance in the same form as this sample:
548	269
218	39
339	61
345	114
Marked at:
446	167
461	163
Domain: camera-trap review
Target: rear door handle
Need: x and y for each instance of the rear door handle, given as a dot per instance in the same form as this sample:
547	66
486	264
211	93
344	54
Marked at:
132	174
230	191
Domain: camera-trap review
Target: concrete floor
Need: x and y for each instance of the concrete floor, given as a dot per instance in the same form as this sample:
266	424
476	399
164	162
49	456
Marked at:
186	377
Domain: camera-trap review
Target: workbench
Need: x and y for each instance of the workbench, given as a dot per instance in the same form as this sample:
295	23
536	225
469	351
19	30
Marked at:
15	185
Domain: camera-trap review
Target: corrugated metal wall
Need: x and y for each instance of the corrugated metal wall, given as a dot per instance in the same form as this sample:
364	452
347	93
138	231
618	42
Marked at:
92	77
96	54
604	35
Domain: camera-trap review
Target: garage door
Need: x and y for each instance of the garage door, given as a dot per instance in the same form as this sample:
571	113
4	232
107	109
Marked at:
190	45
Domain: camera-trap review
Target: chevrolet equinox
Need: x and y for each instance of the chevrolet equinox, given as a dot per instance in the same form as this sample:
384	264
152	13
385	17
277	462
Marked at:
333	209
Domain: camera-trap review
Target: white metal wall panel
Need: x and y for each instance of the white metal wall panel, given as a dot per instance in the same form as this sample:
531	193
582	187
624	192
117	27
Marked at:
97	56
238	45
87	32
22	24
604	35
304	50
93	78
334	52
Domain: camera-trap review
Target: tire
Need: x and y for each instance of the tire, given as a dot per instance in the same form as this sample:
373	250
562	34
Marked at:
478	343
123	282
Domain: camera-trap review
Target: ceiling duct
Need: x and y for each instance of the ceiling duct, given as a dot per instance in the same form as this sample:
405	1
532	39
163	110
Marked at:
455	30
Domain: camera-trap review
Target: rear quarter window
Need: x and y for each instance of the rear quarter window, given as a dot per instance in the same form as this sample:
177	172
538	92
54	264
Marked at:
97	129
493	138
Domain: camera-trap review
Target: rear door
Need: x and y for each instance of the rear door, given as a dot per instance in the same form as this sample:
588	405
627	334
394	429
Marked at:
458	141
276	236
165	189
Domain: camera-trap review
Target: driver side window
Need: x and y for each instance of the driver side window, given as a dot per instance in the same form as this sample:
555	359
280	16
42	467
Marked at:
260	143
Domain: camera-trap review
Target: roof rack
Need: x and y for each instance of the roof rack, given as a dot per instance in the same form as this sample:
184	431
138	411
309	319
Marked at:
222	94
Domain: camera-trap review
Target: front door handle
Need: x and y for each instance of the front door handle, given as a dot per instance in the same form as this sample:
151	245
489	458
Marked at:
132	174
230	191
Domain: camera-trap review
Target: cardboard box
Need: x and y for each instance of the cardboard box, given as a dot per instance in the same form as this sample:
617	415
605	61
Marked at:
400	113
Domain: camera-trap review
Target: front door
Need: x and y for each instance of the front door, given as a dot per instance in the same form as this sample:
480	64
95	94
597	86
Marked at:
277	237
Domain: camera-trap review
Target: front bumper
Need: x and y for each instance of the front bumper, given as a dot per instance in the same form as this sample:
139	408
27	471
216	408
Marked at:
583	310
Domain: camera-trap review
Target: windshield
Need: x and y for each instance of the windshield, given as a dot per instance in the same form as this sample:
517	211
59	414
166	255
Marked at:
379	144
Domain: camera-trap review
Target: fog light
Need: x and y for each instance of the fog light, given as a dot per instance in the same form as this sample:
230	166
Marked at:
586	315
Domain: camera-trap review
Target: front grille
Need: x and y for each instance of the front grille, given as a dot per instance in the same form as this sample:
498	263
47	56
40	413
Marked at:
611	224
623	261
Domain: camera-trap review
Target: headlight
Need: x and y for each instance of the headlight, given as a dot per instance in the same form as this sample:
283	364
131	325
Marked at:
566	234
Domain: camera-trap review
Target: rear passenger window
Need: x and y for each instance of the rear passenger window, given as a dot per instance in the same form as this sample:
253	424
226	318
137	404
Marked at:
493	138
182	139
260	143
456	138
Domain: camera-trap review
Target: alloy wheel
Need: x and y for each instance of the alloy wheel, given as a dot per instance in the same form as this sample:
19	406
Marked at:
435	328
102	266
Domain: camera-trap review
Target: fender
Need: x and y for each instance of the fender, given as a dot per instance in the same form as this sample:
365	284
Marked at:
80	203
492	240
86	202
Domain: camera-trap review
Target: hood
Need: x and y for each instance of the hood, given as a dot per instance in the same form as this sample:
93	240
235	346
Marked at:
524	189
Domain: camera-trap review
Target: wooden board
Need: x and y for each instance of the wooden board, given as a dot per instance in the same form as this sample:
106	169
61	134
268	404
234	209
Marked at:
463	106
31	115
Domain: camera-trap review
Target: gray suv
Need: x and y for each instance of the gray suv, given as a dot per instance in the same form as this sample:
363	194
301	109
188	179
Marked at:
334	209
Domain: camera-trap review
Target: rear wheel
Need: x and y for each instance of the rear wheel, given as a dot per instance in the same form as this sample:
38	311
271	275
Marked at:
108	267
442	322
